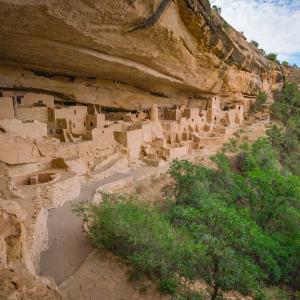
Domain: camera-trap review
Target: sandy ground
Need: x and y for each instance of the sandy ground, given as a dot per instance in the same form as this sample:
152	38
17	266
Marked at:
104	277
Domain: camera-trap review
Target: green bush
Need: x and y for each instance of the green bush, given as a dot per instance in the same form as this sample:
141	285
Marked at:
272	57
169	285
142	236
260	102
285	137
263	52
217	9
254	43
232	229
260	198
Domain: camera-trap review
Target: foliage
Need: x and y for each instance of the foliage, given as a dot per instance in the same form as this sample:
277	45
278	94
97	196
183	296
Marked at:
276	293
260	102
254	43
272	57
143	237
217	9
259	199
287	105
263	52
231	145
285	63
232	230
285	137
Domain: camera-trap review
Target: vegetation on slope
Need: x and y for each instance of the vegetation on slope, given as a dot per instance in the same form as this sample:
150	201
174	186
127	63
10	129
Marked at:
235	227
285	135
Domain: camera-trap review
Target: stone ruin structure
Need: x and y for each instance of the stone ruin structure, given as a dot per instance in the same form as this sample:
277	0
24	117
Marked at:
35	127
48	146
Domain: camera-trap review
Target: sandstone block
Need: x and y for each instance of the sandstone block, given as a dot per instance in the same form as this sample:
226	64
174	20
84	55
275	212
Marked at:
17	150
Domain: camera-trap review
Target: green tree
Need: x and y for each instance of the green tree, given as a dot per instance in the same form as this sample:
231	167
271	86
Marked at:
229	238
272	57
260	102
263	52
233	227
262	191
217	9
254	43
286	138
142	236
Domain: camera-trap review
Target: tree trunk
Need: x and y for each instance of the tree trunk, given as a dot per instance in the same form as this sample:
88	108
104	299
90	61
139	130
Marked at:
215	293
215	277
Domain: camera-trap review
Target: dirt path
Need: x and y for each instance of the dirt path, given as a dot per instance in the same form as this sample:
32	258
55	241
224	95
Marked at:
68	248
103	276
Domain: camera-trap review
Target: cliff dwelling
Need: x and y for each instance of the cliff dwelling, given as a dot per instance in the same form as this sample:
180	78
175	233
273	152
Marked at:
153	136
49	145
104	97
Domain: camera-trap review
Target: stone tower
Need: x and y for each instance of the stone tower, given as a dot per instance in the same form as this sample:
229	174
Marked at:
154	113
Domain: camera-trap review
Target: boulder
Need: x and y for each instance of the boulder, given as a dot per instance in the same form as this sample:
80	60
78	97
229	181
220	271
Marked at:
17	150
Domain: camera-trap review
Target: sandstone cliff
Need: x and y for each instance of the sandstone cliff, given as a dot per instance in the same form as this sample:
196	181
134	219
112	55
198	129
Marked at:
292	74
129	53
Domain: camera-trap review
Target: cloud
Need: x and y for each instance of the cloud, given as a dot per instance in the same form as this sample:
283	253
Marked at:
274	24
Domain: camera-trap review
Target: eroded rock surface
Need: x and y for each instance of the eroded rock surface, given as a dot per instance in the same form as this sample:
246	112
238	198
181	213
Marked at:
129	54
103	276
17	150
292	74
19	284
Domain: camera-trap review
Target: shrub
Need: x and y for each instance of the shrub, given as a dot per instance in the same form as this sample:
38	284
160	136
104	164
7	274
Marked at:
260	102
263	52
254	43
272	57
260	194
285	138
142	236
217	9
233	230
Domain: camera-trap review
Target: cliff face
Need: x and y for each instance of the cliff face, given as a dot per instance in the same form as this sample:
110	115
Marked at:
292	74
128	53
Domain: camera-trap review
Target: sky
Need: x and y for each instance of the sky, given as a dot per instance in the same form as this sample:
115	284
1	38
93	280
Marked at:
274	24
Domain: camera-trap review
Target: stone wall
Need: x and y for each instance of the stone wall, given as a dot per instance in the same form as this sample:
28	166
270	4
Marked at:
103	137
34	113
6	108
16	150
74	117
12	229
32	130
31	99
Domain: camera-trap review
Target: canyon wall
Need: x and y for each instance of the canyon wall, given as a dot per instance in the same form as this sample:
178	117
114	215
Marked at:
292	75
129	53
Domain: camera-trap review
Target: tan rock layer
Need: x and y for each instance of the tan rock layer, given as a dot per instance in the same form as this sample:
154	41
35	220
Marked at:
158	51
